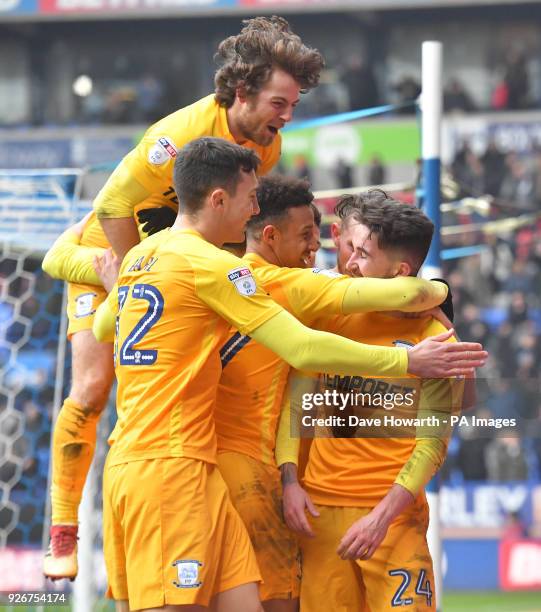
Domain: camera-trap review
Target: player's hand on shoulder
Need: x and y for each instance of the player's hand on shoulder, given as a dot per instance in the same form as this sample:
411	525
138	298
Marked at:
295	501
363	537
107	267
434	357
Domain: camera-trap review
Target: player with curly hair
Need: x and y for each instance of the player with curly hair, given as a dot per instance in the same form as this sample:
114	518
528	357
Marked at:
262	71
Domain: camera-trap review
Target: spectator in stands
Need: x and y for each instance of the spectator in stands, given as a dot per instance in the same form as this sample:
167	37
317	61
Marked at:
506	459
502	350
470	457
377	173
344	174
456	98
519	284
517	80
518	308
517	189
494	168
150	94
408	90
360	83
537	180
468	171
503	399
301	169
496	261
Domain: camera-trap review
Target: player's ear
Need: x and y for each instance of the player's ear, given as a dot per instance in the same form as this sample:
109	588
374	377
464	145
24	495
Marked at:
269	233
335	233
240	93
404	269
217	198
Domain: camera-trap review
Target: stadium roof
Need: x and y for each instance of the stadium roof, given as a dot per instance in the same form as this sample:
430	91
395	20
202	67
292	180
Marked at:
55	10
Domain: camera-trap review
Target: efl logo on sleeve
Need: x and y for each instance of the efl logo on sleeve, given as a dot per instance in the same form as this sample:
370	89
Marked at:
162	151
84	305
243	280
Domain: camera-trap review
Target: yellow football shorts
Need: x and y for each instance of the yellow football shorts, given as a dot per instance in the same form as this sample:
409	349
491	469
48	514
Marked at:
83	300
171	534
256	493
398	574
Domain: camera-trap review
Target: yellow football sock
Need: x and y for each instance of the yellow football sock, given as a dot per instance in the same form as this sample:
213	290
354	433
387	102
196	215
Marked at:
74	440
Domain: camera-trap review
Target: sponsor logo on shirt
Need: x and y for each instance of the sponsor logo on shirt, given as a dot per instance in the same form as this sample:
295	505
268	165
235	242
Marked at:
169	147
243	280
187	573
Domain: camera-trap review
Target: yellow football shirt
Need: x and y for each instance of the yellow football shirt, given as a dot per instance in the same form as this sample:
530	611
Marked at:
148	169
178	296
360	471
253	378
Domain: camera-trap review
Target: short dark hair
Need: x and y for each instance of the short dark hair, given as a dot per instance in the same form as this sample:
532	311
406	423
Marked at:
276	194
317	214
264	43
208	163
398	226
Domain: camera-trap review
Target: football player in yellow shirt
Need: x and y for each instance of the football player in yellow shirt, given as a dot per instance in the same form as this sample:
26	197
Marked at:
177	296
364	547
262	73
280	242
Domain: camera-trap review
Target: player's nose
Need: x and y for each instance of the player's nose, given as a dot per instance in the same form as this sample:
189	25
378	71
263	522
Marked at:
352	266
287	114
314	244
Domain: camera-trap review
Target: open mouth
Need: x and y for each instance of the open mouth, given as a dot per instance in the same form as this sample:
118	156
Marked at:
273	130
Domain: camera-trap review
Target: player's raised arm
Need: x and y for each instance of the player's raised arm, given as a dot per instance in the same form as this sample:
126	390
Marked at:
116	201
310	350
406	293
68	260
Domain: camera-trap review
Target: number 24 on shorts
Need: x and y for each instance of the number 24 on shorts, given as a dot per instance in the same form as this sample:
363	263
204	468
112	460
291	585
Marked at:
128	355
421	588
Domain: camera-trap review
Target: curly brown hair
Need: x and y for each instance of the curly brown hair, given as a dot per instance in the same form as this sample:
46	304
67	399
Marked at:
264	43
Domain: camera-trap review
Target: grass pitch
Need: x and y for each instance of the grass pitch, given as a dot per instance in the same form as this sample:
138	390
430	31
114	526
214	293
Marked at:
491	601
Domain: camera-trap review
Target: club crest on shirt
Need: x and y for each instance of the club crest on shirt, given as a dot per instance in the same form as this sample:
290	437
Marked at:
243	280
403	344
84	305
162	151
187	573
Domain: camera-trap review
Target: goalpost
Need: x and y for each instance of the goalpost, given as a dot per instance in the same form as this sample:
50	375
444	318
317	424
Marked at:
35	207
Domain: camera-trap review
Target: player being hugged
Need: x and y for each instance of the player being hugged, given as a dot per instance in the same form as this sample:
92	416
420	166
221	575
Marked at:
364	541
